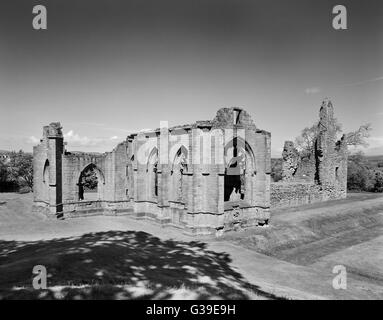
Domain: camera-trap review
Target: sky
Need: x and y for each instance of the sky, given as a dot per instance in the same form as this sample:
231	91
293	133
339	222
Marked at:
107	68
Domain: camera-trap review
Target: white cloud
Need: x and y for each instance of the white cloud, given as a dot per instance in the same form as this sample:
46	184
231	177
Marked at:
375	146
33	140
76	140
114	129
375	142
363	82
83	143
312	90
101	126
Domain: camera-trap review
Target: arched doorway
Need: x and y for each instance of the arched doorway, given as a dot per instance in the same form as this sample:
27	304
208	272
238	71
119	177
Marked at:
46	179
90	183
152	174
179	167
129	179
235	179
239	171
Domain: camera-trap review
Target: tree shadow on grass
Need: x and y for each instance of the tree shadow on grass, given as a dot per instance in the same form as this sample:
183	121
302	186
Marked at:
121	265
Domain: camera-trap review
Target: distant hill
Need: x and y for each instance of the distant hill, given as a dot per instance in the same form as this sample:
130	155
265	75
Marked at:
7	151
375	161
375	158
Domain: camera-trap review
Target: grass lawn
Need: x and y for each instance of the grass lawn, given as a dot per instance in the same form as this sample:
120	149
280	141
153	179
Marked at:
109	258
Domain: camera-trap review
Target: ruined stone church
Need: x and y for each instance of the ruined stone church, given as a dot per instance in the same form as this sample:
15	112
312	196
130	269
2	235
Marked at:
206	177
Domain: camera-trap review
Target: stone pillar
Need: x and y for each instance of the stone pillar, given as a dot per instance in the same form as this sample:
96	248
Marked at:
55	149
164	166
197	172
221	191
325	145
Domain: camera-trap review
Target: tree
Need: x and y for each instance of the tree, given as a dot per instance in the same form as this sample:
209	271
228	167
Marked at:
276	169
359	137
356	176
3	172
306	140
7	184
378	187
359	159
20	168
89	178
361	176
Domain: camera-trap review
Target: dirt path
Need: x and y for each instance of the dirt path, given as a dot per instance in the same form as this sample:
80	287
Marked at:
294	281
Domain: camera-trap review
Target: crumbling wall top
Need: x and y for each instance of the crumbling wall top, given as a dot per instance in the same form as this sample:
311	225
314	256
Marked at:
53	130
227	117
291	161
326	111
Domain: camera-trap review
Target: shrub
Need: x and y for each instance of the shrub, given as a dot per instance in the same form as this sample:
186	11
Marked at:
276	169
361	176
24	189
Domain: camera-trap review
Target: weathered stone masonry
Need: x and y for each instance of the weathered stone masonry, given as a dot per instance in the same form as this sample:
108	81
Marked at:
316	176
205	177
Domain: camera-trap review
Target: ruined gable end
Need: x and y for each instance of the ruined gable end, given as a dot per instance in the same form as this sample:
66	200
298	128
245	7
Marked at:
291	161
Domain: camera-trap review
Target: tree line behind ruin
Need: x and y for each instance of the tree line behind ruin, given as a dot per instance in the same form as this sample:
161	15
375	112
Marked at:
16	171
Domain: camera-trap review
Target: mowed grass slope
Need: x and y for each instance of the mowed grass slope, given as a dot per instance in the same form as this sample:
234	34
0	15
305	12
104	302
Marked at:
344	232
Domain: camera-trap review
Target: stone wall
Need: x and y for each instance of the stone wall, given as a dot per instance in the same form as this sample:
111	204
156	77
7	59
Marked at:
314	175
47	170
206	147
292	194
175	176
206	177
